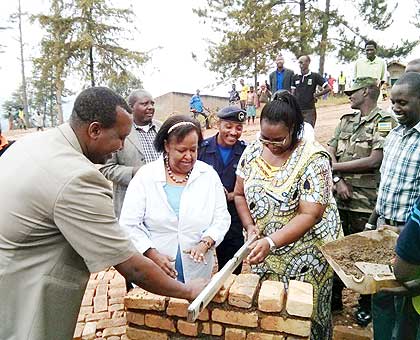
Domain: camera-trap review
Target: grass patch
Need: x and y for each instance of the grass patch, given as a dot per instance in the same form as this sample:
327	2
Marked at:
330	101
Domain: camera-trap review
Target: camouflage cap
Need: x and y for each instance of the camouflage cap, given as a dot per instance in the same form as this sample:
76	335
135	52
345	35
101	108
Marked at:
232	113
360	83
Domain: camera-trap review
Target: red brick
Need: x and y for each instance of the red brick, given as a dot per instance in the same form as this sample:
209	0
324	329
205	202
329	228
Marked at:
188	328
114	331
212	328
138	298
100	304
117	292
246	319
101	289
242	292
98	316
92	284
109	275
135	318
235	334
265	336
78	331
114	308
179	307
118	314
286	325
116	300
113	338
100	275
349	333
109	323
223	292
86	310
271	296
81	317
118	282
143	334
93	276
300	299
89	331
161	322
88	297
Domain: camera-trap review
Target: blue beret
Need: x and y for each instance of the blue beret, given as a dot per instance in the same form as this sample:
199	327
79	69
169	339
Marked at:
232	113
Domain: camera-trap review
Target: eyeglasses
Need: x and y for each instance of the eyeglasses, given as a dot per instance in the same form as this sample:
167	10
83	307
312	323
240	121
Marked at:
269	142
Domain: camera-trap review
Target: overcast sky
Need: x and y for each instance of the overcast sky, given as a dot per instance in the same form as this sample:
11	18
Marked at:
172	26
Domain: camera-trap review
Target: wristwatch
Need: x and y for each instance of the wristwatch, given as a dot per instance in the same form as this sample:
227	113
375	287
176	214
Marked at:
271	243
336	179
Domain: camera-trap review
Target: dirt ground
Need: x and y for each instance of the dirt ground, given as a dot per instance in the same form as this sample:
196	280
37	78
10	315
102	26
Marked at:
328	117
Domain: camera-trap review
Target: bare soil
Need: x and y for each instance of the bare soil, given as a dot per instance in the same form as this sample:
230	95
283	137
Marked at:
367	250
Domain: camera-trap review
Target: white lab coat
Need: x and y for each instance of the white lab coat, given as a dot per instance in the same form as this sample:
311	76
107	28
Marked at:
150	222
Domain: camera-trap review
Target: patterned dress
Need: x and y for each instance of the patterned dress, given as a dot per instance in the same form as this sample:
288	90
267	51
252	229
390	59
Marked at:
273	195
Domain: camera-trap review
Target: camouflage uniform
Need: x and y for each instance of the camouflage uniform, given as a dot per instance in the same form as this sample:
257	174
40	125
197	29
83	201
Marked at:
355	137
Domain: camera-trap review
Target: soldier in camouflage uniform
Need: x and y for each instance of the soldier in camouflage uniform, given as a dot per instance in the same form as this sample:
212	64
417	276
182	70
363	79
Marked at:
356	151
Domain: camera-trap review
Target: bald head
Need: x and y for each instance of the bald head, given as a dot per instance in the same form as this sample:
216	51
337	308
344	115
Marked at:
413	66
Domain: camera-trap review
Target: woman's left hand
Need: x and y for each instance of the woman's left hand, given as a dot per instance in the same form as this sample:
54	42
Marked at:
198	252
259	251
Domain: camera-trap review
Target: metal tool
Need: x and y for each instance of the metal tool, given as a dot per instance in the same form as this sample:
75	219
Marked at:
369	268
208	293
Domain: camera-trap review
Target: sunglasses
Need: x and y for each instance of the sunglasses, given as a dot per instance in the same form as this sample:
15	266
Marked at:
269	142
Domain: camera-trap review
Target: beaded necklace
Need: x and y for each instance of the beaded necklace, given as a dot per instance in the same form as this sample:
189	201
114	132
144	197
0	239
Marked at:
171	174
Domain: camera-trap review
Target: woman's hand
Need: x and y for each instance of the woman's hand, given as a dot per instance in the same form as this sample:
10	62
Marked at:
165	262
259	251
251	230
198	252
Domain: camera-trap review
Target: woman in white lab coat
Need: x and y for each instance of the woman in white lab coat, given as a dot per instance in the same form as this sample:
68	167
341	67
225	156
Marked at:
175	207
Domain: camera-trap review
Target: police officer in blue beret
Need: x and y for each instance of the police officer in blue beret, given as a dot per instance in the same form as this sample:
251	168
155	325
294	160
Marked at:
223	152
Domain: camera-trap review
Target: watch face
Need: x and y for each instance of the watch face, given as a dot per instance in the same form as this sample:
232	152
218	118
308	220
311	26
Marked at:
336	179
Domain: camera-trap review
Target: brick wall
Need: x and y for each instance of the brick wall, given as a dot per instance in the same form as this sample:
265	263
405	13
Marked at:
244	308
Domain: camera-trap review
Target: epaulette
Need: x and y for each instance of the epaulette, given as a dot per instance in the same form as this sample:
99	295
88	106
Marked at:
349	114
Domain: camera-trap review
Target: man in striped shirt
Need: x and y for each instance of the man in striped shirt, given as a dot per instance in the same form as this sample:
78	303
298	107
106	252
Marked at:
399	188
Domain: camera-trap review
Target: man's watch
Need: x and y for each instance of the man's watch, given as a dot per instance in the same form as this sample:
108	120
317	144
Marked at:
271	243
336	179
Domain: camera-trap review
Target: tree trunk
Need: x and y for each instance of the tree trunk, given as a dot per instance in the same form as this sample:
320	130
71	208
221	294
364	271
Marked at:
255	72
302	26
59	93
324	37
22	64
91	68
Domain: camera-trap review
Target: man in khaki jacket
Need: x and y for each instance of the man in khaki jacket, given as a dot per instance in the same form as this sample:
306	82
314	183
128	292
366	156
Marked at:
58	223
138	148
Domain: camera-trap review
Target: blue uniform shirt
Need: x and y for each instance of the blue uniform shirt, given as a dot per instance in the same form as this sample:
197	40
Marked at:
209	153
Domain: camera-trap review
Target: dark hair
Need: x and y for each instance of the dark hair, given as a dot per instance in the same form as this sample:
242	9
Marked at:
371	42
412	80
306	56
178	133
97	104
284	109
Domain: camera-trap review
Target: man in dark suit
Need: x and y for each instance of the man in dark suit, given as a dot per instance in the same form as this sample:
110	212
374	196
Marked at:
138	148
281	78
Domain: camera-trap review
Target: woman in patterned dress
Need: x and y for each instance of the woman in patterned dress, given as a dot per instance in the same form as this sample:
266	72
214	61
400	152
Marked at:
284	193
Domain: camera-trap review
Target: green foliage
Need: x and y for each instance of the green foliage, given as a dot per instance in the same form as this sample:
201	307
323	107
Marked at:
124	83
376	13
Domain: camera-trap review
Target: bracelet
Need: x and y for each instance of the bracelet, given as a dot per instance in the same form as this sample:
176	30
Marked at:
271	243
207	243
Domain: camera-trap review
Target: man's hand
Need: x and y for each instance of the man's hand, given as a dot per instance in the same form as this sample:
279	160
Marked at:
165	262
197	252
409	288
195	287
230	196
259	251
344	190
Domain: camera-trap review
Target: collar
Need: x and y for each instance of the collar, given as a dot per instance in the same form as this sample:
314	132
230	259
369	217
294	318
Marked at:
372	114
70	135
282	71
212	147
145	128
401	130
306	75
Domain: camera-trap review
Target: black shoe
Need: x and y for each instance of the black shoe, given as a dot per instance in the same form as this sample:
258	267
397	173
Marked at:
363	317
